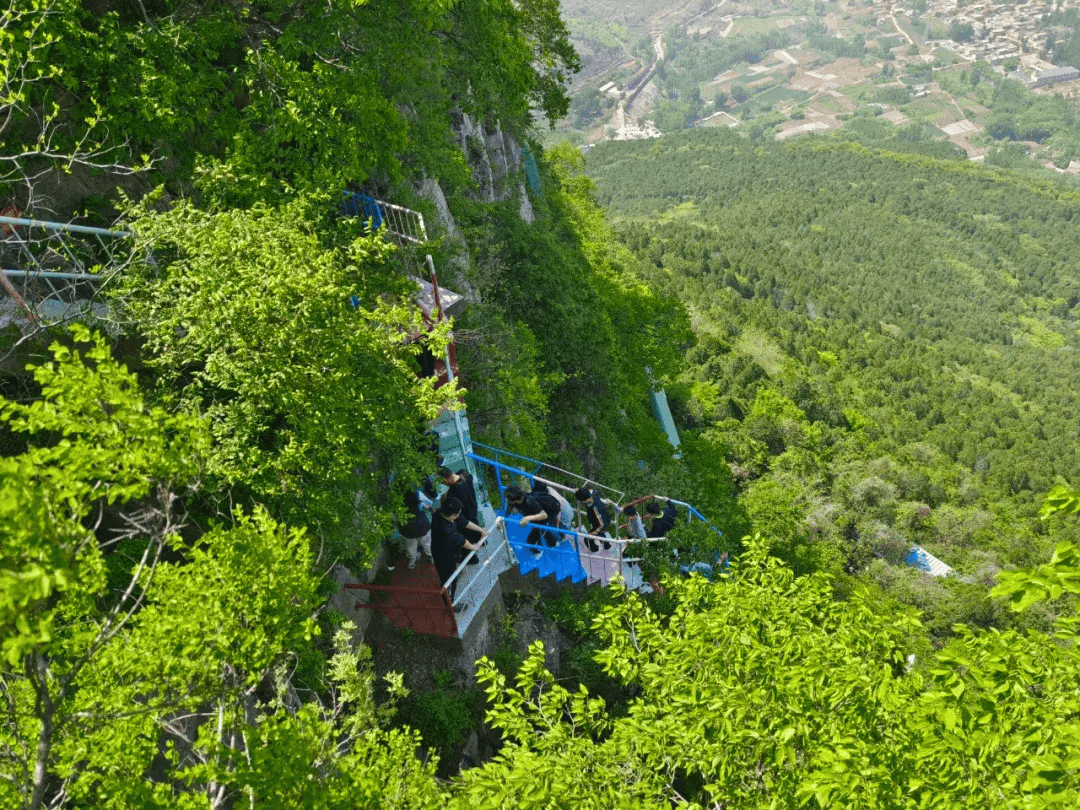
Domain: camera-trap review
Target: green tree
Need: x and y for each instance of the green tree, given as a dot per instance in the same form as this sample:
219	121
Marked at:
44	133
292	345
763	689
961	32
155	672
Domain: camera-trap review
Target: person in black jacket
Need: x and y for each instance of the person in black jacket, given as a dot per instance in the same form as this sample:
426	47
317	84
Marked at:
566	511
449	546
597	515
460	485
417	530
662	522
536	507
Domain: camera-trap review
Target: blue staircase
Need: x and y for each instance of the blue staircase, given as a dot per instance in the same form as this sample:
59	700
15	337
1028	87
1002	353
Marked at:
562	561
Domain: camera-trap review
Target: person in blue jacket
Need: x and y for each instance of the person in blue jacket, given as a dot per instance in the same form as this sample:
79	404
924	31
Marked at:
596	515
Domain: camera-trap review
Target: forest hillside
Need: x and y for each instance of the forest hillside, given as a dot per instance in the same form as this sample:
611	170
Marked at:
190	458
886	342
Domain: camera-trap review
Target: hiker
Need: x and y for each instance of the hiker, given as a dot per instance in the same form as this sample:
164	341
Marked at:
635	528
662	522
460	485
597	515
536	507
417	531
566	510
449	546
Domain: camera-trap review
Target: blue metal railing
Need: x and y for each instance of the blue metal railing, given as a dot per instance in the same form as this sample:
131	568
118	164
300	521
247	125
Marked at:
363	207
568	558
404	224
692	513
500	467
572	556
581	479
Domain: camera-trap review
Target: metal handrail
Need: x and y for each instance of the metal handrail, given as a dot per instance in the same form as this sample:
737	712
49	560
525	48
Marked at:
577	536
469	556
499	466
19	273
622	541
583	555
581	478
61	226
37	242
460	597
691	512
392	217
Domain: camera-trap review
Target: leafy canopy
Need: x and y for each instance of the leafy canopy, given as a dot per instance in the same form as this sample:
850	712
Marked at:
296	346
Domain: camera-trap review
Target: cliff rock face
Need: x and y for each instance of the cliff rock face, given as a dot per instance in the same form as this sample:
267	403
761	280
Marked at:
525	210
495	159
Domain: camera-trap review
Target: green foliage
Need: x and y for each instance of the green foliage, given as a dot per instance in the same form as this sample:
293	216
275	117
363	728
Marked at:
248	321
787	254
571	322
576	613
52	124
165	673
443	718
1020	115
698	542
1049	582
656	558
763	690
227	92
961	32
1061	500
508	386
94	442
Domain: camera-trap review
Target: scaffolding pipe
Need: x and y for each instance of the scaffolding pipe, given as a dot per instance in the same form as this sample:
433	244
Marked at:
61	226
52	274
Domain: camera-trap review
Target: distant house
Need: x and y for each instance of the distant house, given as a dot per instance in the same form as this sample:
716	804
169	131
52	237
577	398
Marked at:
1053	76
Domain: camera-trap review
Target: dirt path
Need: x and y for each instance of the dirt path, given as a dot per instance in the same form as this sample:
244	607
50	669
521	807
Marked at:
900	30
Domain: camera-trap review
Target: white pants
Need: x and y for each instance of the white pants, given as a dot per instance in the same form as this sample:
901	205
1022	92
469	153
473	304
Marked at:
411	544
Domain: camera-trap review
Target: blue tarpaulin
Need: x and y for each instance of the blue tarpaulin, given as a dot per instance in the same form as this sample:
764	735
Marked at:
532	174
663	415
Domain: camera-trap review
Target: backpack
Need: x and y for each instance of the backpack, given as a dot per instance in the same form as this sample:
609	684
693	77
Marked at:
548	502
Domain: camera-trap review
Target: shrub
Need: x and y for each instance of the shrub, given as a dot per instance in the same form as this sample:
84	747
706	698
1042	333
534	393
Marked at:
443	718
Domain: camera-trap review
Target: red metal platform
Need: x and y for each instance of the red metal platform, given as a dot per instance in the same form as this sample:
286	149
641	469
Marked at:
414	600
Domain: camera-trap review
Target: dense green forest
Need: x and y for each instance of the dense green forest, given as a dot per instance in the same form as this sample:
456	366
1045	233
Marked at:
864	349
886	342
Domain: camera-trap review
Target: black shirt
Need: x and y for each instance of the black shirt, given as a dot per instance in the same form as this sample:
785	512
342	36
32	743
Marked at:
538	503
665	522
549	503
418	523
447	545
465	492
